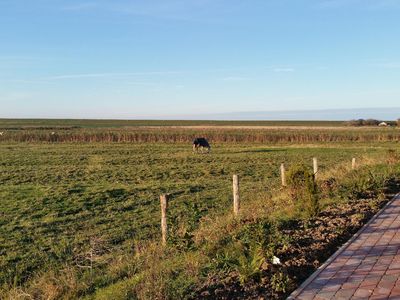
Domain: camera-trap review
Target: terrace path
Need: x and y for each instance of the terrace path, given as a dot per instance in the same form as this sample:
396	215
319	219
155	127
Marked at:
366	267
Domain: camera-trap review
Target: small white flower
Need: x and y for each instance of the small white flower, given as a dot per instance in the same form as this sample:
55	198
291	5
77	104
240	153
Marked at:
276	261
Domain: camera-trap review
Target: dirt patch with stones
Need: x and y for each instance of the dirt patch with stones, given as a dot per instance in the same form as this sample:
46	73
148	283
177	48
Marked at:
310	244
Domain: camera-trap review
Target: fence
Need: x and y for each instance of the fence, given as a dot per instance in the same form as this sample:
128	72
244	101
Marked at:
236	196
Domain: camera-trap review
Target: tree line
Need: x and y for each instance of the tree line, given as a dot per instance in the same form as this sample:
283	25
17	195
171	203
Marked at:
372	122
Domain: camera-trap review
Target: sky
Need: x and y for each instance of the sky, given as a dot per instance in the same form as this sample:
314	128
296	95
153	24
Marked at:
129	59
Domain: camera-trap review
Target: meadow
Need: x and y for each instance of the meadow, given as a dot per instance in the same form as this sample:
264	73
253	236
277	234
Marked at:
54	123
85	208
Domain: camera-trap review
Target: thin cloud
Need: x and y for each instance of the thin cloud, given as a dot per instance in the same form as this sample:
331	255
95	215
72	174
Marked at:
178	10
25	81
108	75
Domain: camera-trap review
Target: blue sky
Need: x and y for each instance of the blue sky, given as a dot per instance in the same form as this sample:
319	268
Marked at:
166	58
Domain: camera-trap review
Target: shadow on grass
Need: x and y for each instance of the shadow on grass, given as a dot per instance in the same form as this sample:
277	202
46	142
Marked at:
191	190
264	150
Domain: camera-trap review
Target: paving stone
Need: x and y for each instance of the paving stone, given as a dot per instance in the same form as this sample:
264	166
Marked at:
350	285
383	291
344	294
331	288
325	295
306	296
362	293
368	268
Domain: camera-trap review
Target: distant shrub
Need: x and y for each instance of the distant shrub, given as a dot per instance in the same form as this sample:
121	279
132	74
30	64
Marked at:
398	122
391	123
362	122
358	122
371	122
304	190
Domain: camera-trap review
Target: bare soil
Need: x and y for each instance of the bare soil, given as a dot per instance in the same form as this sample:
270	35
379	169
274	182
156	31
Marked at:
311	244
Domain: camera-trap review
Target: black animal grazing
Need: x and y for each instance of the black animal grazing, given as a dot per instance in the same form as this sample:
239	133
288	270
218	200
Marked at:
201	143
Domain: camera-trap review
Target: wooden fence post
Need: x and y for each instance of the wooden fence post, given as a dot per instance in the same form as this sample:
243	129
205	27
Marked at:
315	166
164	229
353	163
283	175
236	197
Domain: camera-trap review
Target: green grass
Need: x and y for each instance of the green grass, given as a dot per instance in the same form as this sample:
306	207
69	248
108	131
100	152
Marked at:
17	123
55	198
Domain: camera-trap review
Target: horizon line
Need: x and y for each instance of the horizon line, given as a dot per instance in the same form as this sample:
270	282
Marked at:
242	115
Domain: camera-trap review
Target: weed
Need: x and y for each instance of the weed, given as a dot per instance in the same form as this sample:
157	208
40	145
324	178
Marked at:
249	264
280	282
366	182
304	190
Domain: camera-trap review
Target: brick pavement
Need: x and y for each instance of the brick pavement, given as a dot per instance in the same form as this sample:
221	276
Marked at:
366	267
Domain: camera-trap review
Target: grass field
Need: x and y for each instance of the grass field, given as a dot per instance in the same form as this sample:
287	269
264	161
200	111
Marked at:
57	198
21	123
